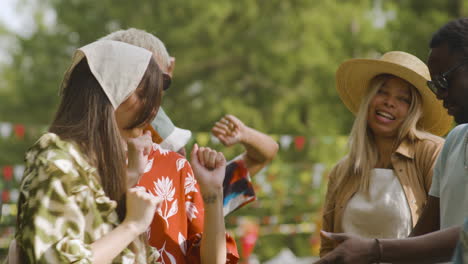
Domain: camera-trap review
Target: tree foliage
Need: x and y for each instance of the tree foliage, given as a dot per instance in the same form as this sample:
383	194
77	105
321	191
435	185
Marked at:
271	63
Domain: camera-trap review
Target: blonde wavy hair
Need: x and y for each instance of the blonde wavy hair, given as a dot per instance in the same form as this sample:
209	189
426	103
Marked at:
363	154
143	39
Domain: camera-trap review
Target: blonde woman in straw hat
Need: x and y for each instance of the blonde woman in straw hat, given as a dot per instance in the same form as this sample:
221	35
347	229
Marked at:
380	188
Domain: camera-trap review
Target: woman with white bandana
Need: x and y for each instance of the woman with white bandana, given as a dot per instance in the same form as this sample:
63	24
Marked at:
77	201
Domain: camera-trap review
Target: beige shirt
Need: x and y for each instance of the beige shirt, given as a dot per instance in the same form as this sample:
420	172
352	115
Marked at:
412	163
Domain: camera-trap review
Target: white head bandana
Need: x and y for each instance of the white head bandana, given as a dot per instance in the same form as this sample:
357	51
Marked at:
117	66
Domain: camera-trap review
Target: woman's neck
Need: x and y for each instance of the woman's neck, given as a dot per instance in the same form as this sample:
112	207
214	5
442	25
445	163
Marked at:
385	147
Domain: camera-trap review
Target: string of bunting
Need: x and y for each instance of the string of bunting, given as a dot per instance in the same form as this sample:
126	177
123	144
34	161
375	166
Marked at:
306	225
286	142
20	132
11	177
284	229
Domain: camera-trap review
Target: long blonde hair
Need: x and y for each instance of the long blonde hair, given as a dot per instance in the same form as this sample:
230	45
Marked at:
363	154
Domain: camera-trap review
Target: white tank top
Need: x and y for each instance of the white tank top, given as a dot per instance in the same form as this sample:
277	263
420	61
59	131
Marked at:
385	213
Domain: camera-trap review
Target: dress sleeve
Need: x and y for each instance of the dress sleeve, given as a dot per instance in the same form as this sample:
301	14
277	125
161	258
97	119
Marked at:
194	203
435	183
437	171
51	221
237	186
430	153
439	167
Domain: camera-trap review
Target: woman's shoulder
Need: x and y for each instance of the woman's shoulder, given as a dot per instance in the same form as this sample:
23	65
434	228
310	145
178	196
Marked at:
338	168
48	148
458	131
52	155
164	154
431	140
167	158
163	162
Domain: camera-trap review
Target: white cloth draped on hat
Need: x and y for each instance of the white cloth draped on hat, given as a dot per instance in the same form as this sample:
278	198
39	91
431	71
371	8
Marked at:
117	66
173	138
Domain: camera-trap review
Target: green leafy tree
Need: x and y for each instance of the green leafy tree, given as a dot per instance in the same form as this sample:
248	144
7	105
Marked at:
271	63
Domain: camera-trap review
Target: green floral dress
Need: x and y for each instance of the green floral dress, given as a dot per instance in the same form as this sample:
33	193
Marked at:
63	208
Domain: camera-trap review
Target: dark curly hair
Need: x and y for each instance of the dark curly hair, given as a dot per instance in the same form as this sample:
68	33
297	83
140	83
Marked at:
454	34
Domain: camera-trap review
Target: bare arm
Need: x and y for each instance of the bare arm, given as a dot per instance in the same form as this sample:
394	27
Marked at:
140	212
433	247
209	168
140	205
430	248
109	246
260	148
213	244
430	218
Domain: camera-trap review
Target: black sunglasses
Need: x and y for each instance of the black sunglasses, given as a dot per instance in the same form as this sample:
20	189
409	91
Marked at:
167	80
441	82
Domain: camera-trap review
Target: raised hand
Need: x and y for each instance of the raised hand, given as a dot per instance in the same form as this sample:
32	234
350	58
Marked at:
229	130
350	250
138	150
141	206
209	167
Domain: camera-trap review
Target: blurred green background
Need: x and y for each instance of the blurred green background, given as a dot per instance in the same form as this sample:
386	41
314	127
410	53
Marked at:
269	62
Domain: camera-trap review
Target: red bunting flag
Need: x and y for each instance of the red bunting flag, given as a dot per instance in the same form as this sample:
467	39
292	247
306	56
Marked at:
5	196
249	237
299	142
248	244
8	173
19	131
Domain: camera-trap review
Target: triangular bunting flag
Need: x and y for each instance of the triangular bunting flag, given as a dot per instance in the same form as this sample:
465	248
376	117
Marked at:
285	141
299	141
7	173
19	131
5	130
5	196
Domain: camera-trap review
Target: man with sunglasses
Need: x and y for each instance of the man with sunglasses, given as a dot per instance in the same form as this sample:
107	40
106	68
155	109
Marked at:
448	200
447	206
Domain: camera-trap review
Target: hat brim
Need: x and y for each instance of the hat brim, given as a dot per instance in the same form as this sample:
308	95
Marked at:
353	78
177	139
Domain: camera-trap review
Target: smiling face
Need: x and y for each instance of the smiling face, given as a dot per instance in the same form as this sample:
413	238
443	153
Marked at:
389	107
454	98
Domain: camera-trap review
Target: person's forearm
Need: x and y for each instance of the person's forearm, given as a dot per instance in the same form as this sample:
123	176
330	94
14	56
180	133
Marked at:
260	147
429	221
109	246
432	247
425	225
213	244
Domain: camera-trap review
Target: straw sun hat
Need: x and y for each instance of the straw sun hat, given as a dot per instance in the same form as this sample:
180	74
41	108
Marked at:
353	78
